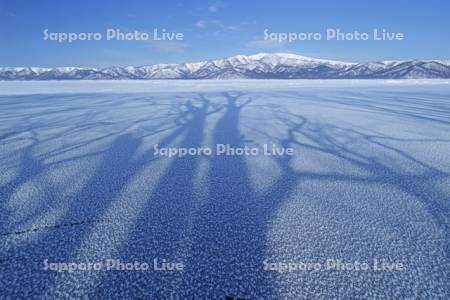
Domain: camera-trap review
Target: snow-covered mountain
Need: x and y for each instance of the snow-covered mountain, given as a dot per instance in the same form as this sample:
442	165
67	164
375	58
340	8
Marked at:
258	66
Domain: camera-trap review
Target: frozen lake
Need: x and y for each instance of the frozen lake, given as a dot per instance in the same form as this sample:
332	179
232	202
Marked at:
368	185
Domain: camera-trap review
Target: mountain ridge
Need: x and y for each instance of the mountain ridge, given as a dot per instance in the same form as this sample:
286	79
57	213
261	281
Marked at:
257	66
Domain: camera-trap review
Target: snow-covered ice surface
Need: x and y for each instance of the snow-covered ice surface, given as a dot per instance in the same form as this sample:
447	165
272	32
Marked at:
370	179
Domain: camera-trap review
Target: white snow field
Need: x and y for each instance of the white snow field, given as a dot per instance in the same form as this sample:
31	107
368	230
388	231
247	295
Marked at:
369	180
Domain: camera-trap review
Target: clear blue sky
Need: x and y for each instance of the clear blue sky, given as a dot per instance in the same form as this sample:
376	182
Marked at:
215	29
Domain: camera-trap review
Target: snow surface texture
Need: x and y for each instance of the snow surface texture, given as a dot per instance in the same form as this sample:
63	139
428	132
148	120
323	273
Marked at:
258	66
370	178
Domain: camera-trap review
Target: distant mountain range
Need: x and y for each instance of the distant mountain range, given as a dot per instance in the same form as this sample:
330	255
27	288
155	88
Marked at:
258	66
